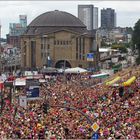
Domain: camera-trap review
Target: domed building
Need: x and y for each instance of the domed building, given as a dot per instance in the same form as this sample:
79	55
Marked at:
57	39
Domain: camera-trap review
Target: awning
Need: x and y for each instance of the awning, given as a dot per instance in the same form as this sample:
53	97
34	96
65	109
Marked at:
101	75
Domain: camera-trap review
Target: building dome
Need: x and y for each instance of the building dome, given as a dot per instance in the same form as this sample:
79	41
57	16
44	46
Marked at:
56	19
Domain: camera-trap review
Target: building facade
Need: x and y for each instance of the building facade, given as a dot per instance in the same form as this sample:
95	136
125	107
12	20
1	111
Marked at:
88	14
56	39
108	18
15	30
95	18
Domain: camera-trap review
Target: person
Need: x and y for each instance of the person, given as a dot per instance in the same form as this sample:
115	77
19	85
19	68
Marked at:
121	91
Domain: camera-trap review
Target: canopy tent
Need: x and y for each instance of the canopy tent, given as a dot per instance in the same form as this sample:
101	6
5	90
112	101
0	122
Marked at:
75	70
113	81
101	75
129	81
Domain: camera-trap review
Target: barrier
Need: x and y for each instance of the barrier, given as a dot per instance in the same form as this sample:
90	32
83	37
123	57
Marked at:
129	81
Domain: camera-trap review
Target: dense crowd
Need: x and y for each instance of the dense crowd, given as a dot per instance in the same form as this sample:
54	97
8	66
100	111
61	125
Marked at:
118	116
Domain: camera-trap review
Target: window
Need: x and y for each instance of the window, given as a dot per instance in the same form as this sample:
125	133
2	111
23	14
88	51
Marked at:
24	42
80	56
67	42
48	46
57	42
41	54
41	46
76	56
83	45
83	57
80	44
76	44
33	53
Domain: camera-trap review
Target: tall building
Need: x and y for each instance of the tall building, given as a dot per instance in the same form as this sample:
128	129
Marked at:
16	30
108	18
95	18
88	14
23	20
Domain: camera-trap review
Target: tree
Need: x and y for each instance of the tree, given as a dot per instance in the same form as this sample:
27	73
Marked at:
121	47
129	30
136	38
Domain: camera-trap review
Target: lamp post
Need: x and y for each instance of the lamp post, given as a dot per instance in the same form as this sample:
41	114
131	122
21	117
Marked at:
72	108
62	106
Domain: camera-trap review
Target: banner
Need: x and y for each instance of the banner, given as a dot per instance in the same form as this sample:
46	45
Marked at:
113	81
90	57
32	92
23	101
30	73
19	82
129	81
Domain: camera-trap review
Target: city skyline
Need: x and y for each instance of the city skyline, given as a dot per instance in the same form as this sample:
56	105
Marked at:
10	10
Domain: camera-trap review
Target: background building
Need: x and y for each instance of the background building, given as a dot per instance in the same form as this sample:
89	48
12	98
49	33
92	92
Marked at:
95	18
108	18
15	30
88	14
57	39
23	21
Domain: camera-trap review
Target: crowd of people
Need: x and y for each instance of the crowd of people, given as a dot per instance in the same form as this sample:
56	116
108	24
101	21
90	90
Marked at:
118	116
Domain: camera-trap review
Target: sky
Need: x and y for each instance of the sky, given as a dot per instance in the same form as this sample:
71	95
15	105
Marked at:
128	12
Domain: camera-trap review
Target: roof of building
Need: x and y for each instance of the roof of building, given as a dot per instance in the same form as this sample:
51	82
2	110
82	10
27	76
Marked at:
56	18
49	30
55	21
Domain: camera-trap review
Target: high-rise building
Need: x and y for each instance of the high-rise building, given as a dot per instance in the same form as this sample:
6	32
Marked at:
108	18
16	30
88	14
95	18
23	20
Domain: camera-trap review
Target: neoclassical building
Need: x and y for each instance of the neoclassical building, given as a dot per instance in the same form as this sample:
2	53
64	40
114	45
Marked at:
58	39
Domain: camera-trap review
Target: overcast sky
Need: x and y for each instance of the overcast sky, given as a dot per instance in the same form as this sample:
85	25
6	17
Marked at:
128	12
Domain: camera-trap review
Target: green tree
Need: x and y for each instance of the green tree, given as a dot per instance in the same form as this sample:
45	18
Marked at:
121	47
129	30
136	39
